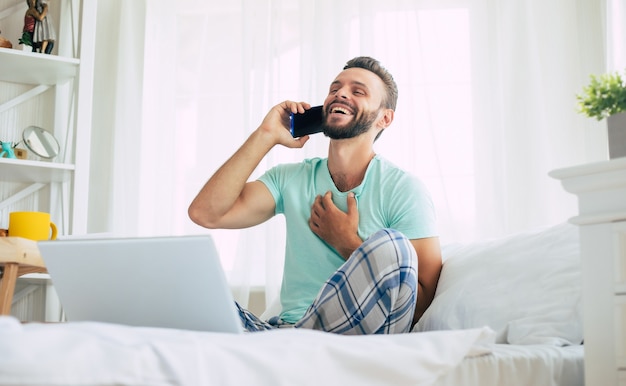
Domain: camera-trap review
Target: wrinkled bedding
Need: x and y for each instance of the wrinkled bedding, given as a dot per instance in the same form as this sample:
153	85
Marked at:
90	353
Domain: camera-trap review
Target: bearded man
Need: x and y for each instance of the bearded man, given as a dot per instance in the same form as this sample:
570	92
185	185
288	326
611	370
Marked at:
358	227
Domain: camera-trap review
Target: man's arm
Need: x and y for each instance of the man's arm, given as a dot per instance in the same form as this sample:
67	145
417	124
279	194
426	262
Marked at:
428	271
227	200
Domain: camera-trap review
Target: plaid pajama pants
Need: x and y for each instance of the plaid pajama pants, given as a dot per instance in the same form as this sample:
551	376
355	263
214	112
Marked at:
373	292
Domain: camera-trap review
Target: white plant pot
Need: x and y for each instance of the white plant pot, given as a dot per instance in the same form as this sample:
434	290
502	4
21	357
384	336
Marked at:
617	135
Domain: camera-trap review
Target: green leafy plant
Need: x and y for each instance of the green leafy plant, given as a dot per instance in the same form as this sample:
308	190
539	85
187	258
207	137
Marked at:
25	39
604	96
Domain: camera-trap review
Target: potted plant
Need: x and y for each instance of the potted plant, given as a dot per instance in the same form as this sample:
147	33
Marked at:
605	97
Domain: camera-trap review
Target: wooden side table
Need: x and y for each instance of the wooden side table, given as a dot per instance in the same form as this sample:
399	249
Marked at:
18	256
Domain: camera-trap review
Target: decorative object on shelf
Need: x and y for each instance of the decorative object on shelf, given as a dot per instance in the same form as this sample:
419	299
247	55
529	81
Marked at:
35	226
41	142
4	43
605	97
29	28
38	30
7	150
20	153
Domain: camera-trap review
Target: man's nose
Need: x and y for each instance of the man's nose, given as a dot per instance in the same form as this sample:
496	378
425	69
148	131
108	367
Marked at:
342	93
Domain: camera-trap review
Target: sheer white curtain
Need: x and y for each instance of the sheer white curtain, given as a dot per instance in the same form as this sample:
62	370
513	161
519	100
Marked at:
486	106
531	58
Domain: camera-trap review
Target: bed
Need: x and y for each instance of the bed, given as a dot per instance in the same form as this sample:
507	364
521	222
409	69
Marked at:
506	312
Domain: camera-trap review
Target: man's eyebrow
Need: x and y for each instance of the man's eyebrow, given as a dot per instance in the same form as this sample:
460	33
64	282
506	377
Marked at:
354	82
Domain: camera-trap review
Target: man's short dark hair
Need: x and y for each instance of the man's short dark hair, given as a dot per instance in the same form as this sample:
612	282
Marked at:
373	65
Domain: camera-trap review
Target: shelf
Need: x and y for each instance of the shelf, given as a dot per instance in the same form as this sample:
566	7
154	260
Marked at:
17	170
34	68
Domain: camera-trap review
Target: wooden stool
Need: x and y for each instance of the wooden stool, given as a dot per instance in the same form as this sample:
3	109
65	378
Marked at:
18	256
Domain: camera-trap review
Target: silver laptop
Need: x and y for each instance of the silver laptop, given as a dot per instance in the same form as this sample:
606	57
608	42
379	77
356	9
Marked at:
172	282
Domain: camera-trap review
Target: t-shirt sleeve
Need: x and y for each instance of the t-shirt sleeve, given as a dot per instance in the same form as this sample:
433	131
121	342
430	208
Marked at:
412	211
275	180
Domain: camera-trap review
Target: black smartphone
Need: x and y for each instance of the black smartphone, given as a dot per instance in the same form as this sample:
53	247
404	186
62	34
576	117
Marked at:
309	122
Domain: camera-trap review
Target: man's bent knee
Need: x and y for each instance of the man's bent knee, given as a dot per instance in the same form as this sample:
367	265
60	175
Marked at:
392	245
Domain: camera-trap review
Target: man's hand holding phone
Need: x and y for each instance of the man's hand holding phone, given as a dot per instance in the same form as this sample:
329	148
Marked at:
275	128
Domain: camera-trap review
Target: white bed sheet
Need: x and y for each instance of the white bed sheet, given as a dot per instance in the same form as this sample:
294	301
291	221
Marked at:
89	353
521	365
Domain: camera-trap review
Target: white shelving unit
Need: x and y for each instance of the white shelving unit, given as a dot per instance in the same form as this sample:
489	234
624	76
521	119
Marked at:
66	78
61	86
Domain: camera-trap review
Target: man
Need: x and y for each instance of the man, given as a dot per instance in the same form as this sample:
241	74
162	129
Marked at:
334	280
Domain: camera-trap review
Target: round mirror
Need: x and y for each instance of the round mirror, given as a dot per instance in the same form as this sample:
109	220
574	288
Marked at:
41	142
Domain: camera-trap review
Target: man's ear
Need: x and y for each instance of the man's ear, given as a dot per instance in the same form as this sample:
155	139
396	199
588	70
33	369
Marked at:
386	119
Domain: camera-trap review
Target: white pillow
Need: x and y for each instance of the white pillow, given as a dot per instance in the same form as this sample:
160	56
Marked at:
526	287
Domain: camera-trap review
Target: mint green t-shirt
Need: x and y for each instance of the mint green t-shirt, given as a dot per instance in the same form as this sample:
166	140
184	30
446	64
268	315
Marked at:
388	197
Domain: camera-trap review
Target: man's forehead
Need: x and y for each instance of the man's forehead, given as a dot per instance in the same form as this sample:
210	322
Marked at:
359	76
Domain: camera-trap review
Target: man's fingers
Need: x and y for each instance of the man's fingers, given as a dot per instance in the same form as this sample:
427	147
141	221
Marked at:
318	202
327	200
295	107
351	200
316	208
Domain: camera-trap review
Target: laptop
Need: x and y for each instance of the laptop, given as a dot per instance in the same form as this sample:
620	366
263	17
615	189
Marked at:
172	282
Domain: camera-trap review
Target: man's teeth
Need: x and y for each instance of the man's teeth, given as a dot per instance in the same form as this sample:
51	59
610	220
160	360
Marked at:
339	110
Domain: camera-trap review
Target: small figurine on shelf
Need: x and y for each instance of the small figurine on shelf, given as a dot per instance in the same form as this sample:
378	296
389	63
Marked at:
29	25
38	30
7	150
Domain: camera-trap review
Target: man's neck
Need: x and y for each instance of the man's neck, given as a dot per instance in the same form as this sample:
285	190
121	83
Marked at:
348	161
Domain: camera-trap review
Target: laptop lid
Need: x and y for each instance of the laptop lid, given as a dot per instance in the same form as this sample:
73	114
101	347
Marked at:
172	282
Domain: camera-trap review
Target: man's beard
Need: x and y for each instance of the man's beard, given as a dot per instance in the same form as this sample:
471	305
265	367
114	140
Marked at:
354	129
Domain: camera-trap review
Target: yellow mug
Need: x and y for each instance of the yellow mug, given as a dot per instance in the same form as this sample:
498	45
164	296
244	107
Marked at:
32	225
